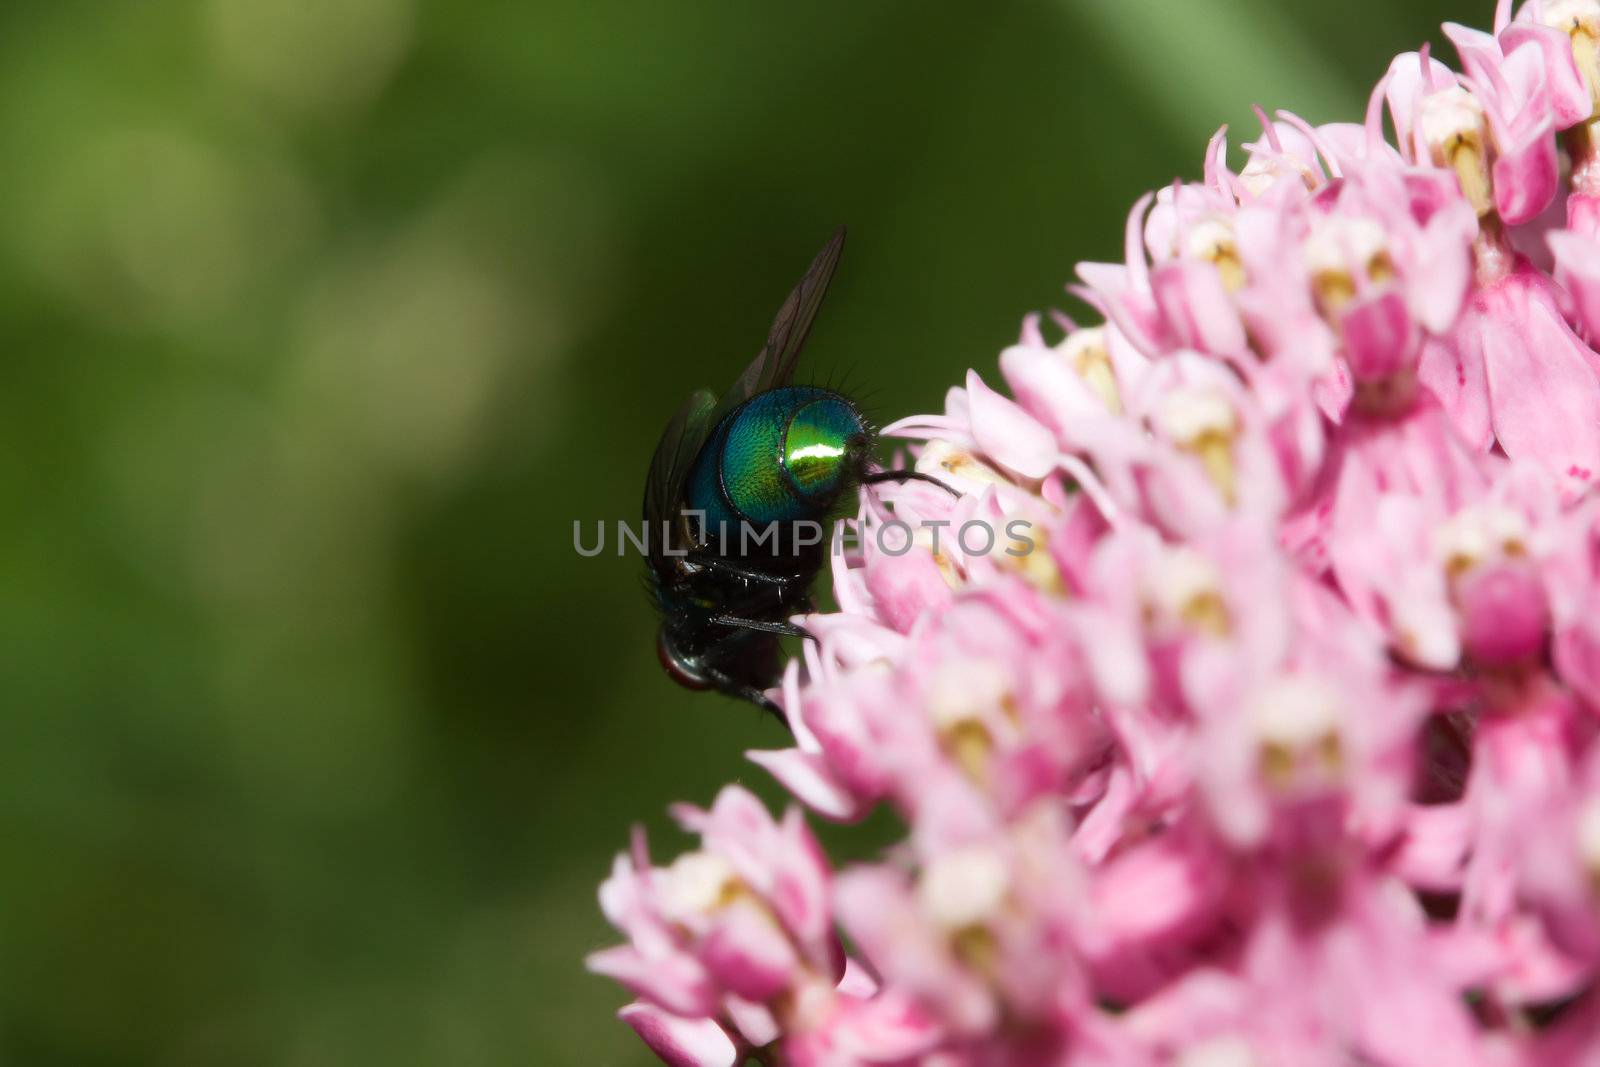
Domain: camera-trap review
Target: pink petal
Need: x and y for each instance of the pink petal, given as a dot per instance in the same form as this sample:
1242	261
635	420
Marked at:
1107	279
1526	175
857	981
1576	650
1431	190
1116	660
904	587
807	776
794	707
1476	48
1436	845
1150	890
1406	87
1583	214
1544	395
1133	245
740	828
1379	337
1007	434
1197	308
1030	334
676	982
754	1022
1437	281
681	1042
1453	372
849	588
1578	271
1050	390
1504	615
889	1028
1566	97
870	904
747	954
800	882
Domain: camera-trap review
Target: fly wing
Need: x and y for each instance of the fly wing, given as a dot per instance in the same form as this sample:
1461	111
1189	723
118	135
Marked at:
687	432
774	364
675	453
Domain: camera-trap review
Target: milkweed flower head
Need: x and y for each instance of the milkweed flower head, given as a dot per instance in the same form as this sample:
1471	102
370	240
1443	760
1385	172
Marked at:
1280	746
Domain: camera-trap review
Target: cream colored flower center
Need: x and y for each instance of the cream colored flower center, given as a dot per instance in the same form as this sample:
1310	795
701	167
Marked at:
1264	170
940	456
1202	422
1297	721
1183	587
699	883
1087	353
1579	20
1336	250
1456	133
1035	565
1474	536
963	892
964	886
923	537
1229	1051
1213	241
1589	841
960	704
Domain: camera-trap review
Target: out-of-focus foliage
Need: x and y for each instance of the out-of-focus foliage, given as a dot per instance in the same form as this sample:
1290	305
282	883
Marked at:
323	319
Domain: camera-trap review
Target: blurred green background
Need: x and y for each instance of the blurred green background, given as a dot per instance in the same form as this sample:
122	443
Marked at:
323	319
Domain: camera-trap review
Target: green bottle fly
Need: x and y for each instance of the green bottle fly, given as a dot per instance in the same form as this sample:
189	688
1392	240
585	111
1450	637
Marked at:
733	485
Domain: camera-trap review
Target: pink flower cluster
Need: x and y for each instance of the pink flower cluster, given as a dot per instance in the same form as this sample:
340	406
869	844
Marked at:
1281	746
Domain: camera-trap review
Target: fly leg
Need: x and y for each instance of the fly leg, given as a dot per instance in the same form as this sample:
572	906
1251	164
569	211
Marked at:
752	575
727	684
786	629
778	587
908	476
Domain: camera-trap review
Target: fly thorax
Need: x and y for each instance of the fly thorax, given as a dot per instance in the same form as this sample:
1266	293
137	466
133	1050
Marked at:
787	454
